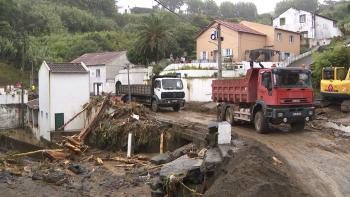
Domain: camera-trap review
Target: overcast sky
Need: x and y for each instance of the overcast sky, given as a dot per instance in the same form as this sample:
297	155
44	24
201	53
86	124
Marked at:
263	6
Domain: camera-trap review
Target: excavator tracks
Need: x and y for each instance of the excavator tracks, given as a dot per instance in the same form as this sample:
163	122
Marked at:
345	106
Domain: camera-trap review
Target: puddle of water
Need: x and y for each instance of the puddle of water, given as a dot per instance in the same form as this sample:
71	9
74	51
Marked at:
338	126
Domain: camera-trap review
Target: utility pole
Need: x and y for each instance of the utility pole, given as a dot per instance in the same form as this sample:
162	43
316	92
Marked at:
219	53
127	65
22	94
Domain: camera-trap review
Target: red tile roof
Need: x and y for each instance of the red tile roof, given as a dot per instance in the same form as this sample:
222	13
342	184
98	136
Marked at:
234	26
238	27
102	58
66	67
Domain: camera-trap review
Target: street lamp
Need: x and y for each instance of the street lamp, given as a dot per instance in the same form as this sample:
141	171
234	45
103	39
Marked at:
213	42
127	65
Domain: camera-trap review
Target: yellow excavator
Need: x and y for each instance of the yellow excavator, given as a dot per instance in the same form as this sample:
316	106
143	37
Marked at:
335	88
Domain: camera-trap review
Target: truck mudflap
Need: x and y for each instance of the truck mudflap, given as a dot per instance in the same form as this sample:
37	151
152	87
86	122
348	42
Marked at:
290	115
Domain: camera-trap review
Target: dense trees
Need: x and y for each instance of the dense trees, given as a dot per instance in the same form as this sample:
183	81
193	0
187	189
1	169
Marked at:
154	33
337	56
282	6
62	30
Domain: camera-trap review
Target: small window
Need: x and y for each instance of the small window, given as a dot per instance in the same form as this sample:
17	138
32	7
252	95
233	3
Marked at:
47	116
335	24
302	18
157	84
291	39
282	21
41	114
204	55
279	36
97	72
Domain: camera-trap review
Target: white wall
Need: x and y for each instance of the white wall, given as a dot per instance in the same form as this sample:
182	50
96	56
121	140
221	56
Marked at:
136	75
197	89
325	29
323	32
44	102
292	22
69	92
94	79
13	98
197	84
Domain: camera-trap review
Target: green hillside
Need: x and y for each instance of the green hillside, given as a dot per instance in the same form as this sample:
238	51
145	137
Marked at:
10	75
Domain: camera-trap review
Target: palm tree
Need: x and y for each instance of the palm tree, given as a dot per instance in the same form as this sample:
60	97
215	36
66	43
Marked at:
154	33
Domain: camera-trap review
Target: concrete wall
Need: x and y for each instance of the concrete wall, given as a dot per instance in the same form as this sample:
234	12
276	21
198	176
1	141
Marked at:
265	29
136	75
285	45
11	116
69	92
325	29
13	98
44	102
61	93
197	84
117	64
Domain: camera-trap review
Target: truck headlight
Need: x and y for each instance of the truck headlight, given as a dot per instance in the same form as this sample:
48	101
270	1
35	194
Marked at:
280	115
311	113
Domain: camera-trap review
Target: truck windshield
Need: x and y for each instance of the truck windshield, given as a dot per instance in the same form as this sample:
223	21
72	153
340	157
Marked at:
292	80
171	84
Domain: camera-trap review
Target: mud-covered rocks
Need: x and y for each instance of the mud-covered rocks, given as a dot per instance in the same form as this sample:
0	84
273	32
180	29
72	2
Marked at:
160	159
6	176
77	169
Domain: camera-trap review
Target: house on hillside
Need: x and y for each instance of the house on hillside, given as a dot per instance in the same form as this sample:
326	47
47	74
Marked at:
63	90
123	9
103	68
247	41
314	29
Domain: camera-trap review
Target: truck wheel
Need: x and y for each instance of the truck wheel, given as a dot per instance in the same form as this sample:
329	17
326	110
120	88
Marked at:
220	116
155	107
297	126
260	123
230	116
176	107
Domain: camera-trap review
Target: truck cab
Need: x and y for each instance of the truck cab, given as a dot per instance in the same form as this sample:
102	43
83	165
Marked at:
286	95
168	92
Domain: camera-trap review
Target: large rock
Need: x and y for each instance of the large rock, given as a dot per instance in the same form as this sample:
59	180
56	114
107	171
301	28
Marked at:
157	184
54	177
77	169
181	165
212	159
160	159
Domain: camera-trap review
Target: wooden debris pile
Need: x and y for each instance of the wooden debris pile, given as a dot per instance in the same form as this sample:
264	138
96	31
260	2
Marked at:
73	145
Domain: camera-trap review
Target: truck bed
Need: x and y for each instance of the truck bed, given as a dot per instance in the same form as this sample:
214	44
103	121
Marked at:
140	90
238	90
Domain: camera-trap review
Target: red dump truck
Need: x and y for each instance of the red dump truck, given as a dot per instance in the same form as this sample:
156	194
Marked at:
266	95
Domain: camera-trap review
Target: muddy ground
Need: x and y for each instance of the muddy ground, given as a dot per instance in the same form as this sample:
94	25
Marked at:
315	163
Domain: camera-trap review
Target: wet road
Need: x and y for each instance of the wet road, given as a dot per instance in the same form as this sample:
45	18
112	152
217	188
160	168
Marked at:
320	161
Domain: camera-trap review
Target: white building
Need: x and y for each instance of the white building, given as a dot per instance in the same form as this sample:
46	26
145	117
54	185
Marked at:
314	29
63	90
123	9
103	69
